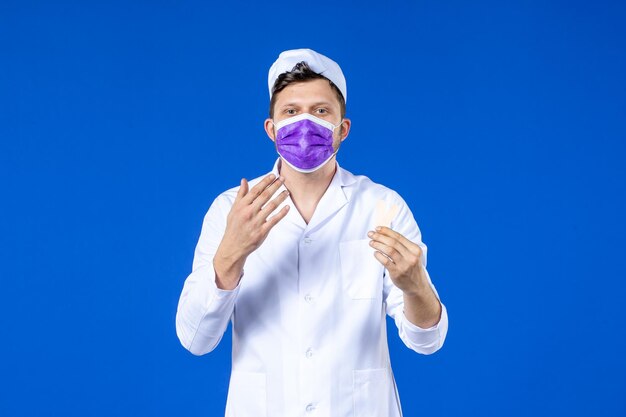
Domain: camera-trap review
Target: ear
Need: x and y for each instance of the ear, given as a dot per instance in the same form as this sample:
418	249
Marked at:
345	124
268	125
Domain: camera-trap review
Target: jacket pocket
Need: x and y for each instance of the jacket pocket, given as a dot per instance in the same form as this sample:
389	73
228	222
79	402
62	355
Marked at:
247	395
361	273
371	392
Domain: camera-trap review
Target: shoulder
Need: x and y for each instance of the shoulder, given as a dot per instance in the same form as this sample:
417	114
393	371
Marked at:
389	207
362	187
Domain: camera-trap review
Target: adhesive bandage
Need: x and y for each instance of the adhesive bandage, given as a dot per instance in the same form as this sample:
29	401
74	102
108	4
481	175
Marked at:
384	214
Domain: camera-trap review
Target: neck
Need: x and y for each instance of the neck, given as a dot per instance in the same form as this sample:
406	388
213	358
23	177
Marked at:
306	190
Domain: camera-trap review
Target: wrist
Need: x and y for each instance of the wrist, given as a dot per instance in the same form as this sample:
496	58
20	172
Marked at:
419	285
416	294
419	291
228	272
423	310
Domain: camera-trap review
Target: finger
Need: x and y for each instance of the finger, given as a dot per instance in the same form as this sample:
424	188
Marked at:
413	247
267	194
389	241
271	206
389	251
385	261
243	190
272	221
258	189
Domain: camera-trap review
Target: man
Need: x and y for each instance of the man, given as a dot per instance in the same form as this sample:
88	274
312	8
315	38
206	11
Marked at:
305	262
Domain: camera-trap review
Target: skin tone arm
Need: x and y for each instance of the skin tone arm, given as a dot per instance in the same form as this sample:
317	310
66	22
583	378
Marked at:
247	226
403	260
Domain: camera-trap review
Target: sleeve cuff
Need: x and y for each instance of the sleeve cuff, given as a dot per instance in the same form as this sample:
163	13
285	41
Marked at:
425	340
415	328
221	293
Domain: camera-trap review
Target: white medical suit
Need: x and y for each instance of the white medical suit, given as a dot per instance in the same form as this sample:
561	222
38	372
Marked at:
309	333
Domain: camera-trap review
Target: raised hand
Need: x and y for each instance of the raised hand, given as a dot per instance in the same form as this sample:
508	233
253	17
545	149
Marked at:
247	226
401	257
403	260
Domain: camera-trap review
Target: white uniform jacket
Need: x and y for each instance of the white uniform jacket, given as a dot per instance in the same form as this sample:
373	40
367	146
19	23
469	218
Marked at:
309	332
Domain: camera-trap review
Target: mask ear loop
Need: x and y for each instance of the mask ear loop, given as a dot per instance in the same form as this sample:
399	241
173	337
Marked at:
274	128
340	124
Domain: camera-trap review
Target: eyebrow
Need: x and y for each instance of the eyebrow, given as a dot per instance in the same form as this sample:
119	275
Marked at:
296	104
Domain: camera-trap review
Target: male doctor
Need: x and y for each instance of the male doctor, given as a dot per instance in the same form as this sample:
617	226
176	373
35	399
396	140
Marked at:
305	263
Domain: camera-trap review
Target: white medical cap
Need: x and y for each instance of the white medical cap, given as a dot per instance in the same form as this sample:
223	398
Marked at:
317	62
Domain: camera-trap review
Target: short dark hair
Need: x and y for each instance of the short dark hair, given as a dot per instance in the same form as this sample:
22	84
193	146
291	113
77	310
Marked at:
300	73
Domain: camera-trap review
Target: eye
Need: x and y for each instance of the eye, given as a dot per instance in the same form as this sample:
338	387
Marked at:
321	110
290	112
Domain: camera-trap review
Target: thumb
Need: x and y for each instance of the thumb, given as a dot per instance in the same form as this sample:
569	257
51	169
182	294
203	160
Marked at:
243	190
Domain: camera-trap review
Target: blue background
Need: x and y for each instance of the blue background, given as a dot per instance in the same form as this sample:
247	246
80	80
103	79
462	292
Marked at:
502	124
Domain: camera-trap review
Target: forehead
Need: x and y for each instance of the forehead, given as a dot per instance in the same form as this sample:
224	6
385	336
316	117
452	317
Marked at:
307	92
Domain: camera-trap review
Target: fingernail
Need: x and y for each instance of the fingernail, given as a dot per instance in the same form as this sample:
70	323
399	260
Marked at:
370	234
378	228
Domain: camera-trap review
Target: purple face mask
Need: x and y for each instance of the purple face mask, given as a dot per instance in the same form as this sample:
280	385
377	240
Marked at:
305	142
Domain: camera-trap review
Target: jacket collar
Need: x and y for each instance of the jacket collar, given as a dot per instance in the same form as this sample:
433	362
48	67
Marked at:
335	197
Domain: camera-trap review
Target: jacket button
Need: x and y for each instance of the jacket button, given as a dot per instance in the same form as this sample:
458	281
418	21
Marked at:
309	353
310	408
307	240
308	298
